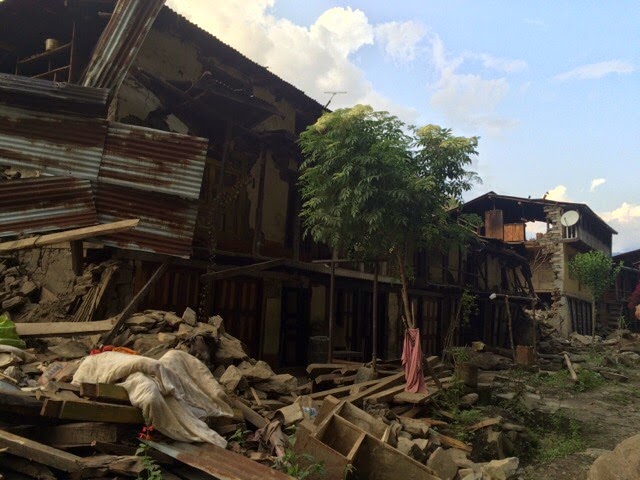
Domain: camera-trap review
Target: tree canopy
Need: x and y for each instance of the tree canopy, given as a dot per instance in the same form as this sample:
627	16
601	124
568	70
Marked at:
375	188
597	272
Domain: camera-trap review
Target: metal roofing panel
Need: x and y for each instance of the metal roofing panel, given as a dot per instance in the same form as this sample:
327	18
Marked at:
166	222
59	97
120	42
55	144
153	160
45	204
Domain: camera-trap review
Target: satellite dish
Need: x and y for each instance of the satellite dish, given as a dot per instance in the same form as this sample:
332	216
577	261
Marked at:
569	218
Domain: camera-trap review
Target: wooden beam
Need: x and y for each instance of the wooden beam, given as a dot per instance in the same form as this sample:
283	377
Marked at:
135	302
91	411
72	434
379	386
217	461
250	416
105	392
63	329
39	453
235	271
69	235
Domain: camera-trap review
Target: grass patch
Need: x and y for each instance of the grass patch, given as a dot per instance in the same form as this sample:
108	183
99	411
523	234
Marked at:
558	437
588	380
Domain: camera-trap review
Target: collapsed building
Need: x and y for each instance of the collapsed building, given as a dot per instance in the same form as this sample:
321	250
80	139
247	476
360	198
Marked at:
558	231
198	142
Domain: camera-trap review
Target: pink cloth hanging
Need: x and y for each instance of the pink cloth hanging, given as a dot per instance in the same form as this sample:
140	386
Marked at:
412	361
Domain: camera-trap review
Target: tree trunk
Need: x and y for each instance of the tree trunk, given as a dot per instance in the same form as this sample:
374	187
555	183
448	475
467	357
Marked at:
408	313
593	320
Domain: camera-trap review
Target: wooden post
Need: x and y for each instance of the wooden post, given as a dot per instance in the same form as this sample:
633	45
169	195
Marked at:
332	294
513	347
535	329
135	301
77	257
259	207
374	318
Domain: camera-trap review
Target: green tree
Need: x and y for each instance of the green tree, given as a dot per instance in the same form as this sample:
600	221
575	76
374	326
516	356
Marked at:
373	187
597	272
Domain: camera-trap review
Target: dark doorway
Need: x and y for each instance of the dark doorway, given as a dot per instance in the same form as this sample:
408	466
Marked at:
294	338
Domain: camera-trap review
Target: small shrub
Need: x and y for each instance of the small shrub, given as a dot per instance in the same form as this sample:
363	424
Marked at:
290	464
151	468
588	380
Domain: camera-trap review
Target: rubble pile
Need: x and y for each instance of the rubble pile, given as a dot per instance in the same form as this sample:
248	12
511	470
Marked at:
86	298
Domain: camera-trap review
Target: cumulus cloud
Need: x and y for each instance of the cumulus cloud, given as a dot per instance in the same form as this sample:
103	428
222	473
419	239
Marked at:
596	182
626	220
558	194
316	59
468	100
596	70
400	40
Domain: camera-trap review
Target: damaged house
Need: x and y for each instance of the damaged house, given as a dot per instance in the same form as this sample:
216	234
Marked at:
557	232
198	142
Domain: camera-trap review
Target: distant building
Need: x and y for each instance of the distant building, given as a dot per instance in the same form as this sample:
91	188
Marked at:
549	234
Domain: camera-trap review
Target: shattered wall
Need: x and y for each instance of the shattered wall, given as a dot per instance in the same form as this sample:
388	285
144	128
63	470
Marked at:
553	247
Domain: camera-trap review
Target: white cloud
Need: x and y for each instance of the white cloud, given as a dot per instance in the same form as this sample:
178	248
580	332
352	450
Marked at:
316	59
596	182
506	65
467	100
400	40
597	70
626	220
625	213
558	194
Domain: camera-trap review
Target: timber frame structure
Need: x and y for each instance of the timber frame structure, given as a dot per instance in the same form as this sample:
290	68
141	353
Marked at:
199	143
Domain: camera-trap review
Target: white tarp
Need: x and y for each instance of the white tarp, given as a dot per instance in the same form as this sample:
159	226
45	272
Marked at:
176	393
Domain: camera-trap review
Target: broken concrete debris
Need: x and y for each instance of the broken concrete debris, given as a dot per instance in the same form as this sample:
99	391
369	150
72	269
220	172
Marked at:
351	421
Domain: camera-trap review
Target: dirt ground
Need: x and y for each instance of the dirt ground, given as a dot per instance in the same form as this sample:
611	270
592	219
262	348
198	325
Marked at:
602	416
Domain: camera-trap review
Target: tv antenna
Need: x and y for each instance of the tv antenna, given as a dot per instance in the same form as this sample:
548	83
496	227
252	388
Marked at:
333	94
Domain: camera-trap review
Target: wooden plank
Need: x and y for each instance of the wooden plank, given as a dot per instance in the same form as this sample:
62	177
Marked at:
72	434
234	272
341	391
413	398
379	386
39	453
91	411
219	462
572	372
69	235
105	392
386	395
63	329
250	416
485	423
19	403
135	301
452	442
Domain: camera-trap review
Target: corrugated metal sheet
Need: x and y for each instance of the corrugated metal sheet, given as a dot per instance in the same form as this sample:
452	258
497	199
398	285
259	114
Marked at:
59	97
153	160
166	222
56	144
120	42
44	204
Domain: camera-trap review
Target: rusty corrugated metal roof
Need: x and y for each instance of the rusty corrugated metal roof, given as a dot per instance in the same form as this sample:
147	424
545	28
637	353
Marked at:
153	160
166	222
45	204
56	144
120	42
59	97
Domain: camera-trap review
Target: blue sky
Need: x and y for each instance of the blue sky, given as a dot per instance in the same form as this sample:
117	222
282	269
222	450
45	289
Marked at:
551	87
